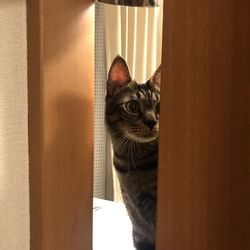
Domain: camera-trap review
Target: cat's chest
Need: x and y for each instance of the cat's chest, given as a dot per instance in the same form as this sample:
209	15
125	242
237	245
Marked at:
136	181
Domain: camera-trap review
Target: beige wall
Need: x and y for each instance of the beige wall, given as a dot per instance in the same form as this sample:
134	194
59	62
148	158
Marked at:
14	187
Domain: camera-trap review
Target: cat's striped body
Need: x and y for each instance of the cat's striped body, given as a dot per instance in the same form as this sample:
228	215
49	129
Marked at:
139	194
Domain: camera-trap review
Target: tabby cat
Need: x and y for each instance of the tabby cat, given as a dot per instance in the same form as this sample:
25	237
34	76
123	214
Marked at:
132	118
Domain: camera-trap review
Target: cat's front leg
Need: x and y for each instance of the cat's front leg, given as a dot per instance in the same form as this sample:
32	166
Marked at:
141	243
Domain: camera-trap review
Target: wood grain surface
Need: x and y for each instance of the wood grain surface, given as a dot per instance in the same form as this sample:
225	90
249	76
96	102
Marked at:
61	75
204	181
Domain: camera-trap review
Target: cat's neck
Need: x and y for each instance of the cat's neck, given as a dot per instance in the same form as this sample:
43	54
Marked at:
135	152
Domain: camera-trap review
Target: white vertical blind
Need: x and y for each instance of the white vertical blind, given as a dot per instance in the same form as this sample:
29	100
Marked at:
100	134
135	34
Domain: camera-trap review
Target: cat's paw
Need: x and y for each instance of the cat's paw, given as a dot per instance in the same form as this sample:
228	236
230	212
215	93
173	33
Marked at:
144	245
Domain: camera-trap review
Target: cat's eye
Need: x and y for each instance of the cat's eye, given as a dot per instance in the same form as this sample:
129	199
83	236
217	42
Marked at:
132	107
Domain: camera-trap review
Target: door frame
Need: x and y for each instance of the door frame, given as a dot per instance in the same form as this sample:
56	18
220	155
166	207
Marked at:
60	103
204	157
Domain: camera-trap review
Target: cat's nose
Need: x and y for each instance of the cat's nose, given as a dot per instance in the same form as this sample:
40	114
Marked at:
150	123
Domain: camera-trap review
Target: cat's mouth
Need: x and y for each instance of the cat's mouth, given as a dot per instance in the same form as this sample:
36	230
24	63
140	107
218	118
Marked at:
142	135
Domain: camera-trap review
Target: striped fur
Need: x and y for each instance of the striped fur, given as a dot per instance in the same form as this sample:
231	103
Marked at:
132	118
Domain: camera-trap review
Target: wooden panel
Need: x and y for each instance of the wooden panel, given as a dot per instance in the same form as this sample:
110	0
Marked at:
60	75
204	179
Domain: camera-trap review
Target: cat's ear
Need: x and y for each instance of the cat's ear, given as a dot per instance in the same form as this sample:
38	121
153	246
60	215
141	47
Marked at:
119	75
156	78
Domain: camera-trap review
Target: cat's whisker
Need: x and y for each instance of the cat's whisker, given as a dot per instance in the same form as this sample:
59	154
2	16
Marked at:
116	133
138	147
119	140
128	156
119	143
126	144
131	154
133	147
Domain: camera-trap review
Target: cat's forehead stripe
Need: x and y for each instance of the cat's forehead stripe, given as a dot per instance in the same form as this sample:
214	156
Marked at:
141	95
129	98
153	96
142	91
147	93
126	99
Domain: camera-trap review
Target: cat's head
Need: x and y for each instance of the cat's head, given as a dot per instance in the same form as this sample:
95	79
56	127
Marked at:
132	109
